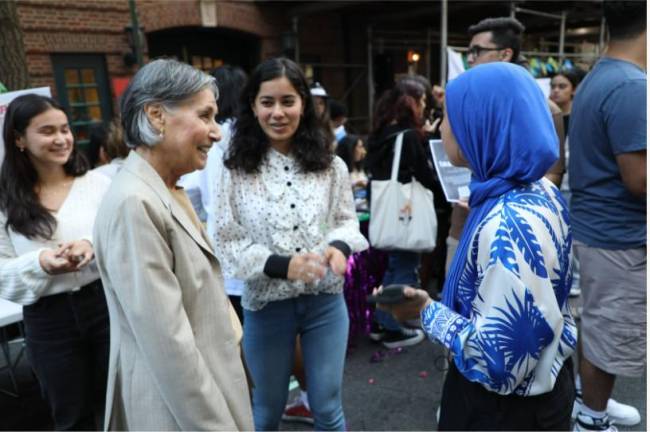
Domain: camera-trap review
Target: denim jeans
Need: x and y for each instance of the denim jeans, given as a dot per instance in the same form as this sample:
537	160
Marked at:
269	341
67	338
402	269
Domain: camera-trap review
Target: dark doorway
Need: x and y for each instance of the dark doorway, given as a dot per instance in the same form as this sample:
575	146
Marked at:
206	48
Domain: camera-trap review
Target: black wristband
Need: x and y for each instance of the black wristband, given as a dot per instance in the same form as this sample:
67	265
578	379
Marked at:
342	246
277	266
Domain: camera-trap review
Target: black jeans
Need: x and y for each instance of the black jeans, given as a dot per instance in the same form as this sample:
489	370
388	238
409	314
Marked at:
469	406
67	338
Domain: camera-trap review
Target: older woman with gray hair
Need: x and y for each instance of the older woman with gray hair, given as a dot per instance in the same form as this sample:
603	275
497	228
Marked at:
175	360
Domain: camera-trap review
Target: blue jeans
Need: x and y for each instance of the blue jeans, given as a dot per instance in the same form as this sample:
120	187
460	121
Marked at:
269	341
402	269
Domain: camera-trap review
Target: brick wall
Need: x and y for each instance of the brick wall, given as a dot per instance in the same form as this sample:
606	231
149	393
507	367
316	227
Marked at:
248	17
97	27
157	15
72	27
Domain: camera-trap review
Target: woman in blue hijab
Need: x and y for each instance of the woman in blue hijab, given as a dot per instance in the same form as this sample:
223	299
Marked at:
504	315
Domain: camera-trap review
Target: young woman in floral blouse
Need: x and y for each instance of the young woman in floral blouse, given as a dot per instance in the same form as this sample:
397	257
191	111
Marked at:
286	225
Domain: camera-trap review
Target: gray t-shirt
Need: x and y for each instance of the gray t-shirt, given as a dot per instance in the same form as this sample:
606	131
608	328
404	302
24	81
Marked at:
608	118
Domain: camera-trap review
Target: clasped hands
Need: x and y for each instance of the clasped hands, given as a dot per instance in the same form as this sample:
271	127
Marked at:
311	267
68	257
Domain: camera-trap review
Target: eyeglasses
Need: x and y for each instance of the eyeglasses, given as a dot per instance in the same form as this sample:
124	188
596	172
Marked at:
477	50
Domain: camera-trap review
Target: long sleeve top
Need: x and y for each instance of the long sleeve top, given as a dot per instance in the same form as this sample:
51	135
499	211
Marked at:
267	217
511	329
22	279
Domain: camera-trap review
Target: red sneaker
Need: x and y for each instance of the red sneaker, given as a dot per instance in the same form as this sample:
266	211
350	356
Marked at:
297	412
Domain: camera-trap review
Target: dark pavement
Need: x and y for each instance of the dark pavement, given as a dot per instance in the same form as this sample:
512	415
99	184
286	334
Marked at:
403	398
384	390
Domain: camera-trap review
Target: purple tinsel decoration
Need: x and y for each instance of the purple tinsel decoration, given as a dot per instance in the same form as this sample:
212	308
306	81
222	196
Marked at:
365	271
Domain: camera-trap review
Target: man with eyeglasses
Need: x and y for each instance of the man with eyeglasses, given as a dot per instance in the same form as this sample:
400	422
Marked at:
495	39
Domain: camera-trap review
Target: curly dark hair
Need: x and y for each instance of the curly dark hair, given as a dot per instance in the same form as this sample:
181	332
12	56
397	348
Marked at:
249	145
506	33
399	104
18	177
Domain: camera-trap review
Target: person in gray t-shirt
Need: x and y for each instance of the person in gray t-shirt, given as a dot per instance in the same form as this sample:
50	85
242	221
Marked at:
608	213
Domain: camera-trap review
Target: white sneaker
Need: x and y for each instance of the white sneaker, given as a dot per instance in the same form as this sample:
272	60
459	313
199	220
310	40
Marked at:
586	422
624	415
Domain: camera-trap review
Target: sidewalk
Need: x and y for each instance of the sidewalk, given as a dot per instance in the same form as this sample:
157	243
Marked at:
399	392
402	397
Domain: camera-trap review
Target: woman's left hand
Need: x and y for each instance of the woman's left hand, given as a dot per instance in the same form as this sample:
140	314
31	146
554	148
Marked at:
336	260
77	251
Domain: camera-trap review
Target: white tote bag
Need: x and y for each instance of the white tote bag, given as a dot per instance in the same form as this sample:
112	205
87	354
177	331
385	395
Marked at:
402	216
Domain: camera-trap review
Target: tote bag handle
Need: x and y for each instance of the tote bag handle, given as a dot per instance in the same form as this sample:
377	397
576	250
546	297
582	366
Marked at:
397	156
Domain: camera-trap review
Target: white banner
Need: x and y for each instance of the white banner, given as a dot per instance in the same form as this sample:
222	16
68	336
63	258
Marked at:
455	65
5	100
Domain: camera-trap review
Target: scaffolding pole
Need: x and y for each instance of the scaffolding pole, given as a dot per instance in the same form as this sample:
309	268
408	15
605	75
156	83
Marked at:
428	54
294	25
562	36
562	17
443	42
371	84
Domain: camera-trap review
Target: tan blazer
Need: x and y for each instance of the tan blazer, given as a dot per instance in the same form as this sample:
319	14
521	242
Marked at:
175	359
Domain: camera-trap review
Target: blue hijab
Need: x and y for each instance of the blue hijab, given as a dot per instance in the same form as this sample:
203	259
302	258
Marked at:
503	126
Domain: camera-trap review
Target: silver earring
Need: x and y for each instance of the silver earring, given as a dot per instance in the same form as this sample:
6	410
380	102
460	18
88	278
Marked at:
22	149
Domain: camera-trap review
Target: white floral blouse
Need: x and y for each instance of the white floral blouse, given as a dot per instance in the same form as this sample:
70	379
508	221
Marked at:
282	211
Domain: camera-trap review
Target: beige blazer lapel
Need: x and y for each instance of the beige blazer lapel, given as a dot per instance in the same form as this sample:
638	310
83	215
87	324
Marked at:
137	165
183	219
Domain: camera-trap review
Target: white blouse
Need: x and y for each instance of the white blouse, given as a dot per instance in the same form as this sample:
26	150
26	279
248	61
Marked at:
22	279
282	211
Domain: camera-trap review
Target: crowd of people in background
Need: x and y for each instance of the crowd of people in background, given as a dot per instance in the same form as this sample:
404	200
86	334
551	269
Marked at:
220	245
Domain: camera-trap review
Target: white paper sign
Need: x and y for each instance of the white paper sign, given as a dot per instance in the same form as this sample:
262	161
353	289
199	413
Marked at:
454	180
545	85
5	100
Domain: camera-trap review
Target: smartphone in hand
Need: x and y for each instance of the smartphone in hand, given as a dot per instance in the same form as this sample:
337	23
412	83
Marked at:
389	294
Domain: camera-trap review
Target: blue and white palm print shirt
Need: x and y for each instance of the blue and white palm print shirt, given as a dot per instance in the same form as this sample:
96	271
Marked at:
512	328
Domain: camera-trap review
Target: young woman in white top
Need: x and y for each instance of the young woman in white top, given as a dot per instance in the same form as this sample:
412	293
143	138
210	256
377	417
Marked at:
48	203
286	226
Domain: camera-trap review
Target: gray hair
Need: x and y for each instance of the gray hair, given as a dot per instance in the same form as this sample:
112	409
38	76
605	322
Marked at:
165	82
